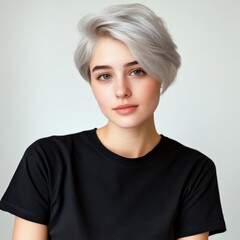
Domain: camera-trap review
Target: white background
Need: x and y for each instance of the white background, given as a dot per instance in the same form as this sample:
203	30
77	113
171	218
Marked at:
42	94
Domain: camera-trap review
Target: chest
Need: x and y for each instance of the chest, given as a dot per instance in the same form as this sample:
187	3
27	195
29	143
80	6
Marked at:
99	200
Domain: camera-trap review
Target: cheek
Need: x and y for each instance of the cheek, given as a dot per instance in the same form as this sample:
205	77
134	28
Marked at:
151	91
100	96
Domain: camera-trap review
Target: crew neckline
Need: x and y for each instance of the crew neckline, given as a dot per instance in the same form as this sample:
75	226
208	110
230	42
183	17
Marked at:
108	154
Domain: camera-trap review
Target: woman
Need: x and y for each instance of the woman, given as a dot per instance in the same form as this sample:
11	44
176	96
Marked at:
123	180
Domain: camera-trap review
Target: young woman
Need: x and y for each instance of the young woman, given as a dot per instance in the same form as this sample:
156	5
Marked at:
123	180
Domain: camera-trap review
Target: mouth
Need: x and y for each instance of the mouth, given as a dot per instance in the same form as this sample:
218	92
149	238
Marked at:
125	106
125	109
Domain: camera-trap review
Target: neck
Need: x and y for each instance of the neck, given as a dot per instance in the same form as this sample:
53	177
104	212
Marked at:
129	142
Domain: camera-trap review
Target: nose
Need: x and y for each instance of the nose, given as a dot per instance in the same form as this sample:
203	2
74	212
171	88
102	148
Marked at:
122	90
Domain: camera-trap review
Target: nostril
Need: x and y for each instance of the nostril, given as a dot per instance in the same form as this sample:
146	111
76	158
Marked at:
123	94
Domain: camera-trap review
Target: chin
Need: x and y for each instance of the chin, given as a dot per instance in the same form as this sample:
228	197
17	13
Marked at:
127	124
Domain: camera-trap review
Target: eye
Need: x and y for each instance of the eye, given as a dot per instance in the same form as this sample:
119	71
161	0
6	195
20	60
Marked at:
137	72
104	77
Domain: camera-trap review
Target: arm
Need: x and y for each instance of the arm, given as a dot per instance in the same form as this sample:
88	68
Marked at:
26	230
202	236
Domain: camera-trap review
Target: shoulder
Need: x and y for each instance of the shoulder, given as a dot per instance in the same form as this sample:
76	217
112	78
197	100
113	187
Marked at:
194	173
57	148
185	157
59	142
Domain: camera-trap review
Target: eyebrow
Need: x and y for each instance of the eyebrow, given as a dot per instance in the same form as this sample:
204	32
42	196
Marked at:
100	67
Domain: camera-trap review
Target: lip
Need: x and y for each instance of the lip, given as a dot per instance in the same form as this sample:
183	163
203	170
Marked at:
125	109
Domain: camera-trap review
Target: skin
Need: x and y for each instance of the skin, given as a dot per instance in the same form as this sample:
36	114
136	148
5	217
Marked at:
26	230
116	80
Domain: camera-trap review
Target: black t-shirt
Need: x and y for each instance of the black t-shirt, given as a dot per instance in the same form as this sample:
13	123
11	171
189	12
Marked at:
81	190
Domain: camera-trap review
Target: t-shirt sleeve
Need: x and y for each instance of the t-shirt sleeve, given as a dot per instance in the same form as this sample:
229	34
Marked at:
27	195
200	208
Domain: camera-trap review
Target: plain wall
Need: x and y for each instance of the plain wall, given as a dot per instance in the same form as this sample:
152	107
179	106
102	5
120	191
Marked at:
42	94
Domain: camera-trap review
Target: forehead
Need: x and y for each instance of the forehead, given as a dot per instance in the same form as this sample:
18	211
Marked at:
110	51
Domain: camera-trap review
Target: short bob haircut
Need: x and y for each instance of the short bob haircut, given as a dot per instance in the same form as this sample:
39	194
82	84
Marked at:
144	33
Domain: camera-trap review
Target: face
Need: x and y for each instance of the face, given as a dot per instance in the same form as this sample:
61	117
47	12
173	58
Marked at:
126	94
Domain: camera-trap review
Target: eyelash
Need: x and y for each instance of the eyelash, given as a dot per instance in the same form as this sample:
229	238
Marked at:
102	75
142	72
105	76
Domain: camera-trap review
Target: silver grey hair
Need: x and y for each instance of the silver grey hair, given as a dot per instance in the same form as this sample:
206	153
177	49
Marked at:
141	30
